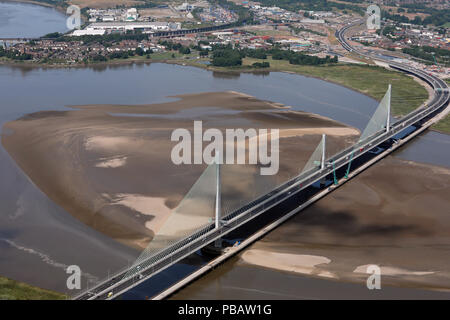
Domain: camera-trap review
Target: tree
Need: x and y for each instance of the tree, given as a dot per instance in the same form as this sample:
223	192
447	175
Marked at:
99	58
52	35
261	65
139	51
226	58
184	50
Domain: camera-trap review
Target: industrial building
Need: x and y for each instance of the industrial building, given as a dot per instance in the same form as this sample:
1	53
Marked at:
78	33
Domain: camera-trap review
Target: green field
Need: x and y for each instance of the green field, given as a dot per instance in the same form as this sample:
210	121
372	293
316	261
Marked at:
443	125
14	290
407	94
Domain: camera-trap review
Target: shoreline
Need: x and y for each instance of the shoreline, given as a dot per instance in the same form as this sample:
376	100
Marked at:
210	69
176	62
184	63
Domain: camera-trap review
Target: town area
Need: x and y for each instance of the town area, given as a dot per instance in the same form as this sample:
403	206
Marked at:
222	33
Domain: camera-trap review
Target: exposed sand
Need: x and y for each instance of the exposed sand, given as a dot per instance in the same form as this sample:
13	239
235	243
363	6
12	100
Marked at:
337	132
112	163
106	143
155	207
299	263
113	171
394	215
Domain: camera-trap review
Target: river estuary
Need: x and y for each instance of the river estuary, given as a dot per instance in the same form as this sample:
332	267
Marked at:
38	239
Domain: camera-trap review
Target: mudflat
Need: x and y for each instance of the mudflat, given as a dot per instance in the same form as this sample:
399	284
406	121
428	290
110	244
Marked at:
110	165
394	215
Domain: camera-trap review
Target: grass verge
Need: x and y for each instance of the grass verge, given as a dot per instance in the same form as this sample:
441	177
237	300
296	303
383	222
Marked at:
15	290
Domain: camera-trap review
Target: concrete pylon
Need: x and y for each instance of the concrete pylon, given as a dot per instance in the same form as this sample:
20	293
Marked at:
388	118
381	118
323	181
318	157
218	193
322	163
218	208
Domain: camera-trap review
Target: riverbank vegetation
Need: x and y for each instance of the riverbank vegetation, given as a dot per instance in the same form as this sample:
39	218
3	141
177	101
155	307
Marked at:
226	56
15	290
407	94
371	80
443	126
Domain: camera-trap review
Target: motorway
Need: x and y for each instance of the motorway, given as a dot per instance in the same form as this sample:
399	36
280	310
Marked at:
288	196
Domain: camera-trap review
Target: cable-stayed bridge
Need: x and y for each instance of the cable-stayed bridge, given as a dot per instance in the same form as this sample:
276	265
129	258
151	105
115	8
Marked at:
204	216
